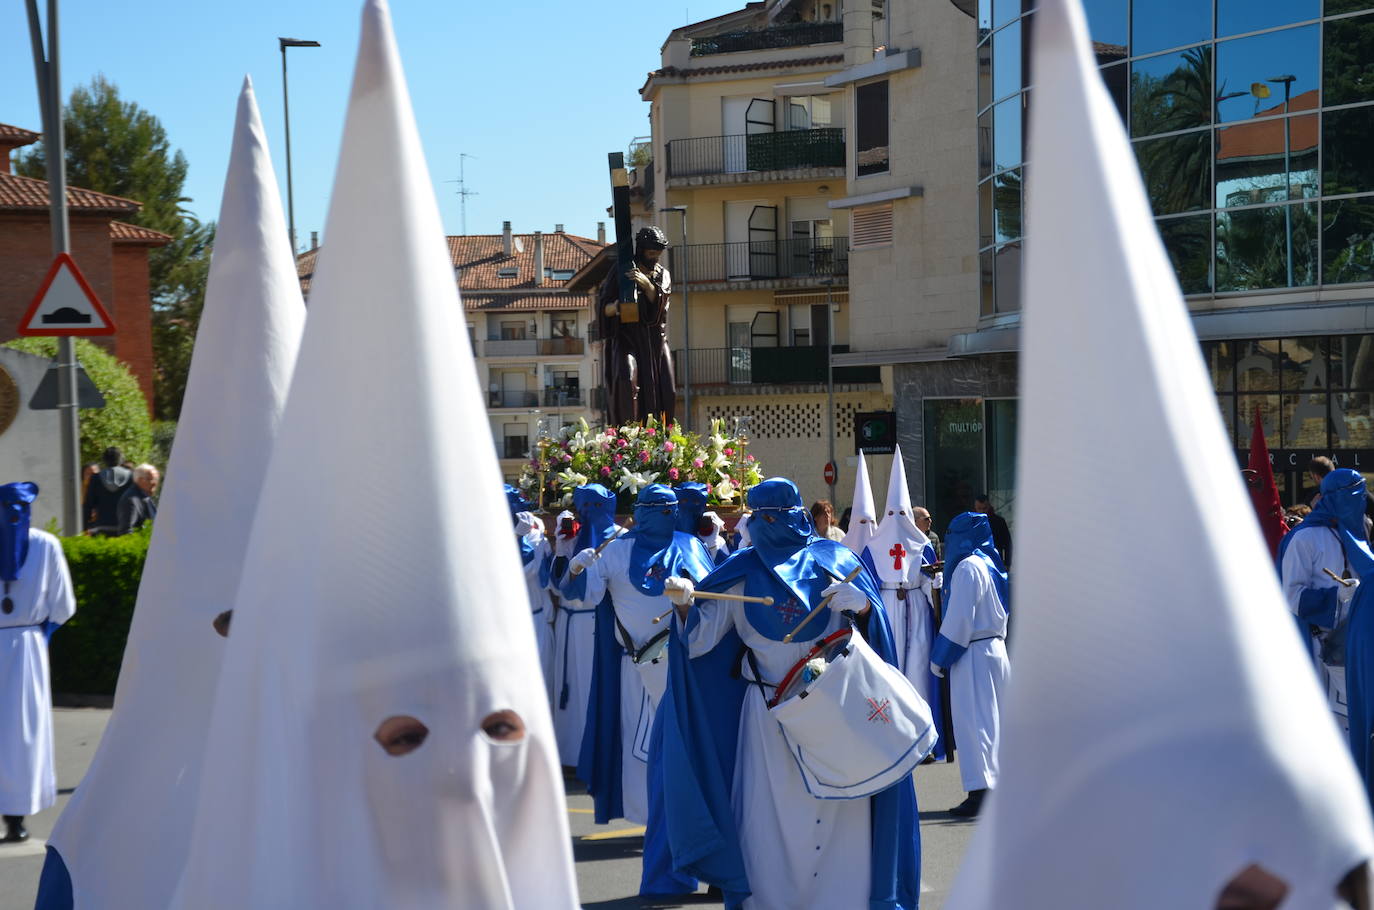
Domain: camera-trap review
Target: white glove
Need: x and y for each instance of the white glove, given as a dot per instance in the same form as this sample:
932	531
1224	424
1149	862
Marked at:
679	590
524	523
937	669
1346	592
846	597
938	582
583	561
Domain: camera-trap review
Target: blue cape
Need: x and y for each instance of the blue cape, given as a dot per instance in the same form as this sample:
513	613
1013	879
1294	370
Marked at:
1340	509
15	502
700	721
599	762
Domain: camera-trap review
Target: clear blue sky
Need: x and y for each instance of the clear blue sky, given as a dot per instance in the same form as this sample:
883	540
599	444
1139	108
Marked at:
538	92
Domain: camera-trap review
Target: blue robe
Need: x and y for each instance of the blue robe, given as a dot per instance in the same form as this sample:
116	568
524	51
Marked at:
700	722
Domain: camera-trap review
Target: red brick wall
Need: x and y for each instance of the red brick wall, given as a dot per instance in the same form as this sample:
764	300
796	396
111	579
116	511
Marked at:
132	313
117	273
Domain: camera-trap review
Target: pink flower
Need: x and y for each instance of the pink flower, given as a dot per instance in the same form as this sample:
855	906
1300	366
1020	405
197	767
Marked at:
605	471
650	431
709	488
729	452
697	462
749	458
672	473
619	458
567	457
643	457
622	442
669	446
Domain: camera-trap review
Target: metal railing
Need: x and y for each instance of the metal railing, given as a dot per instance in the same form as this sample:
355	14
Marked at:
563	344
760	260
564	397
778	366
512	399
510	347
774	151
795	35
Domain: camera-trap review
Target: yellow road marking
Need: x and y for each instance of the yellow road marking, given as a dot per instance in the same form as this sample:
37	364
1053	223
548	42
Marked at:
612	835
580	811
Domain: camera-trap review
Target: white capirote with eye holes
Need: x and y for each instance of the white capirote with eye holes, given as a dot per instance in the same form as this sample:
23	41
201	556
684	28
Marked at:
358	755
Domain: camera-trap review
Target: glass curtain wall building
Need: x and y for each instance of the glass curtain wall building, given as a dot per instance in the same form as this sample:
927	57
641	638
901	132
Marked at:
1253	123
1251	120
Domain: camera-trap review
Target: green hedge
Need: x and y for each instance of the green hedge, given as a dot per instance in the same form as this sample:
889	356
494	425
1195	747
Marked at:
86	652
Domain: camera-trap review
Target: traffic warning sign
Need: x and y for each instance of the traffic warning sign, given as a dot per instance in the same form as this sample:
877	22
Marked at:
65	305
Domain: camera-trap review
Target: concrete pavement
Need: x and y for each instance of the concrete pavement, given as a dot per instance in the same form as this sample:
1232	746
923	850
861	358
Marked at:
608	856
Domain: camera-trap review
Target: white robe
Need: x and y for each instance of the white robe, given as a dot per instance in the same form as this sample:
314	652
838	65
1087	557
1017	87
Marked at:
800	853
42	593
1310	550
541	607
912	617
641	685
574	652
976	619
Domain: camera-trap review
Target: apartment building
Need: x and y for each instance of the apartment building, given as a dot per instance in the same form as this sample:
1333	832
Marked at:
530	336
749	149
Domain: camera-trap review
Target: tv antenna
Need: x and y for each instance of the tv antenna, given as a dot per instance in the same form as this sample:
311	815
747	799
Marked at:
463	191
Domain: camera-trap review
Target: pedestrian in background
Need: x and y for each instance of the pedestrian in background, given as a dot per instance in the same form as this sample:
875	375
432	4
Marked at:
823	517
103	493
137	504
1001	534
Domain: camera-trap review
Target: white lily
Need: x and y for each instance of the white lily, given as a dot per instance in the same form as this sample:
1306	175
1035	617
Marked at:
633	481
725	490
572	479
719	462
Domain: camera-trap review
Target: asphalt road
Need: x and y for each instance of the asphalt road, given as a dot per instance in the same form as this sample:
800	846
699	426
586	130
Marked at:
608	856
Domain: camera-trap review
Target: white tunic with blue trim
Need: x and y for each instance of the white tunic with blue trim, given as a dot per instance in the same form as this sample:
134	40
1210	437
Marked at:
975	618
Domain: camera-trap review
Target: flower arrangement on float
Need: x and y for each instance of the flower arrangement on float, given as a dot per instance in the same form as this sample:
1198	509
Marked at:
628	458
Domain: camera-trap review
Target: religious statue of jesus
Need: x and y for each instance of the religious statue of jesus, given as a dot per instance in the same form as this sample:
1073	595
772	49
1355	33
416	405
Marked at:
637	366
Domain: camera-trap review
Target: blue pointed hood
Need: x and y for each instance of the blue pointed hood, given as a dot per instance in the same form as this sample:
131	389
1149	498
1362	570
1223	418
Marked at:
691	505
15	500
660	550
970	534
595	508
517	502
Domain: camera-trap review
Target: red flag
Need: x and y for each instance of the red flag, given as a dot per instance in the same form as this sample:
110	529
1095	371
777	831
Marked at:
1264	493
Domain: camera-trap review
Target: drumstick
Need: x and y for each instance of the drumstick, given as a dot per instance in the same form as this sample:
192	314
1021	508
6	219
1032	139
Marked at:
629	523
787	639
741	598
1345	581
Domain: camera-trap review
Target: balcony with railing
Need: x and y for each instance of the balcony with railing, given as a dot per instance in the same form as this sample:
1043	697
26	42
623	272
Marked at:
765	366
564	397
562	346
760	260
797	34
497	399
785	150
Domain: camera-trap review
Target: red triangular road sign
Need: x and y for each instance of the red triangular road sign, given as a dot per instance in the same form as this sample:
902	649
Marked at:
65	305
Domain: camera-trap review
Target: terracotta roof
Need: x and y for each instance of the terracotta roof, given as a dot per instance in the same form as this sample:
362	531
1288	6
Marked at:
556	301
27	194
14	136
689	72
481	258
132	233
1265	138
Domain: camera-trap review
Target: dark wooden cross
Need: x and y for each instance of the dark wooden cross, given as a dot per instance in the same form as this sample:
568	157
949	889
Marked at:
897	553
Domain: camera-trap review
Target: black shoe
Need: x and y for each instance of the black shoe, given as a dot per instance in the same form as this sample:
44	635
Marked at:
15	831
969	807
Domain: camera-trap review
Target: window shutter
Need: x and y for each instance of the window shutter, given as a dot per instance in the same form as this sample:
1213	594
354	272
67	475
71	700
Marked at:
871	226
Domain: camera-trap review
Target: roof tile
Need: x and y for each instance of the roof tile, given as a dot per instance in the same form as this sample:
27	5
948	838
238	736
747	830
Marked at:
27	194
133	233
16	136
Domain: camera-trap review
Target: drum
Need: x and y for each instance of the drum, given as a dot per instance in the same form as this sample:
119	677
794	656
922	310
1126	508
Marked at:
653	651
852	721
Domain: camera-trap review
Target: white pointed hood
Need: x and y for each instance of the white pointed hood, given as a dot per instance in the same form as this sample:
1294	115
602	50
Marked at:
149	762
863	516
365	749
897	545
1163	729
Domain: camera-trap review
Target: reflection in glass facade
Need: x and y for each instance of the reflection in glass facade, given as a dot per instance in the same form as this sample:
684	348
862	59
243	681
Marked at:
1252	122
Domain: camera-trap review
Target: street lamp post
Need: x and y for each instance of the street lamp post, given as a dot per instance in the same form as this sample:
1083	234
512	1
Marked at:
286	113
686	323
1287	81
